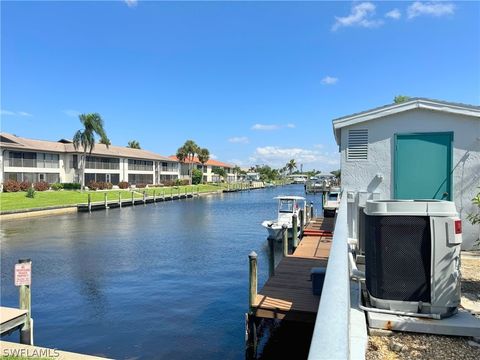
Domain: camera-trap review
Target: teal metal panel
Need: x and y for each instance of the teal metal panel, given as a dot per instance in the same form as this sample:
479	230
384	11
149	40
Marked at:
423	166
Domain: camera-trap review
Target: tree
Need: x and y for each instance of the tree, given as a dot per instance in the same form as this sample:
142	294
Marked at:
291	165
197	176
400	99
105	142
134	144
187	153
220	172
92	125
203	157
336	173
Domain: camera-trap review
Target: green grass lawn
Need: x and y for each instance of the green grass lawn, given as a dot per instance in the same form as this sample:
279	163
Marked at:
18	200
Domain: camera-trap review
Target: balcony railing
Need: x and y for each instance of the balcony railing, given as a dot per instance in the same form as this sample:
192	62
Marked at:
140	167
102	165
21	162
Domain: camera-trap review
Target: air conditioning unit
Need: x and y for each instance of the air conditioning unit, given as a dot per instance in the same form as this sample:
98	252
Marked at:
412	256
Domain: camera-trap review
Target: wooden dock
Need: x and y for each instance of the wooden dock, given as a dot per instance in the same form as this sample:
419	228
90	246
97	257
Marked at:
135	200
288	293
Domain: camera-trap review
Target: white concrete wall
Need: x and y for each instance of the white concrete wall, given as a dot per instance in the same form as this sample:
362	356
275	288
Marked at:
361	175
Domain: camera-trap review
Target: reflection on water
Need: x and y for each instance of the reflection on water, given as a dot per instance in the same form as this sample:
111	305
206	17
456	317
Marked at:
166	280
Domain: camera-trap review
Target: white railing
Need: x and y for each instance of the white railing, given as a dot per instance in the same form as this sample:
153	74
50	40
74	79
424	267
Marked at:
331	336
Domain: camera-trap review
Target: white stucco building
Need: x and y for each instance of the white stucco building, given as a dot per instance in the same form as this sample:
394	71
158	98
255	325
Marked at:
418	149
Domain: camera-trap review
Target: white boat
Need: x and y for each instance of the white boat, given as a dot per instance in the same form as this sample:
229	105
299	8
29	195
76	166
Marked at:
331	202
287	207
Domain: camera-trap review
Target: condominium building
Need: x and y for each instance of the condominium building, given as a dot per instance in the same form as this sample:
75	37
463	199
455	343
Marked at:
32	160
208	169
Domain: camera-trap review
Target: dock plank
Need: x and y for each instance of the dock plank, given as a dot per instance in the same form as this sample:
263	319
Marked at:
288	294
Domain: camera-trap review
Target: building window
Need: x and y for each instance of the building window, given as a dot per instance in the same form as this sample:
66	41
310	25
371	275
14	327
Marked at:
169	166
110	178
95	162
140	165
137	179
50	161
22	159
357	148
33	177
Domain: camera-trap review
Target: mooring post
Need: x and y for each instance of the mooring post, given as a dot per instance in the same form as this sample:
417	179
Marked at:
285	239
311	211
144	197
26	331
133	201
105	200
295	230
171	193
154	196
89	203
119	199
271	257
302	221
252	295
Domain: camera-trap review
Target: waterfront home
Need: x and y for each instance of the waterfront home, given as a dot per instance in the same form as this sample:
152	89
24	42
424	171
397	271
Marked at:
207	169
24	159
418	149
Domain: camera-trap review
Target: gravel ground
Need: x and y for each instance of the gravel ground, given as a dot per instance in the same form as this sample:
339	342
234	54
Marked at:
406	346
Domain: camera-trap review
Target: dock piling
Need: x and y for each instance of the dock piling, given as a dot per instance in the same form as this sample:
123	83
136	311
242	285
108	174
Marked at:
252	260
89	203
105	200
26	331
271	256
144	197
285	239
311	210
302	221
133	201
154	196
119	199
295	230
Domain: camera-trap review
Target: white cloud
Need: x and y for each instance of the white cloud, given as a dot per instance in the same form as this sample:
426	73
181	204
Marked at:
361	15
329	80
72	113
213	157
270	127
394	14
265	127
14	113
239	140
131	3
277	157
432	8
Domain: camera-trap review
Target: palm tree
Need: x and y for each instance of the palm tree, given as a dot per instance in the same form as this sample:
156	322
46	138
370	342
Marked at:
291	165
134	144
92	125
105	142
188	152
203	157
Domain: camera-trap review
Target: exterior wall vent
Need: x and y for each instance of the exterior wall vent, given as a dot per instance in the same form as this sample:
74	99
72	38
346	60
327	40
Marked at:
357	144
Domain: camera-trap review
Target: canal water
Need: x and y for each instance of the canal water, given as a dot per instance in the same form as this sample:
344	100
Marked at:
166	280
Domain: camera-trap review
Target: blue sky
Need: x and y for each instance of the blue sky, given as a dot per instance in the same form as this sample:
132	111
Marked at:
256	83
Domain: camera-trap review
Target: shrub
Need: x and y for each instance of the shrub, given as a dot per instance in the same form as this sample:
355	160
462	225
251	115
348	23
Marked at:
30	193
41	186
11	186
168	182
123	185
56	186
71	186
197	176
93	185
108	185
25	185
140	186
